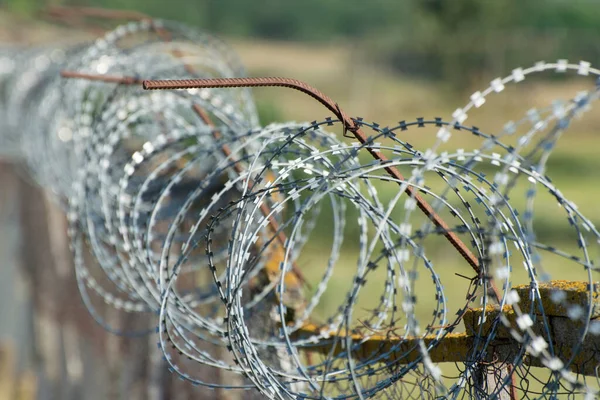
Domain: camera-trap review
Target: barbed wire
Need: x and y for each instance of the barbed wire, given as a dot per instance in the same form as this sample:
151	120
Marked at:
180	205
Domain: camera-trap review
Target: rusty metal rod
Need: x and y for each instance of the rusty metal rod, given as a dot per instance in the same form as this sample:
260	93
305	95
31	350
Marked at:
349	125
123	80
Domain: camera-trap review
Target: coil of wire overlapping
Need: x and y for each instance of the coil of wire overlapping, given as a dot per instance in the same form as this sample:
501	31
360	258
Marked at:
181	206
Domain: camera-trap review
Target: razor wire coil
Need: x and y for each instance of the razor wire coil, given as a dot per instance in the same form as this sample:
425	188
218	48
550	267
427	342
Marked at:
181	206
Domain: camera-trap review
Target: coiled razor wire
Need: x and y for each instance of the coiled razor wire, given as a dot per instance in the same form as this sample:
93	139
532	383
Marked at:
181	206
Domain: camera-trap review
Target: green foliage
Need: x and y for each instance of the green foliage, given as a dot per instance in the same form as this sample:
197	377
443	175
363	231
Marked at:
269	112
463	41
314	20
23	8
454	41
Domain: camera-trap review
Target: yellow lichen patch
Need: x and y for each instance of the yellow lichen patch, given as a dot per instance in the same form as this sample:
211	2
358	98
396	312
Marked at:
453	347
274	271
293	295
478	322
456	347
573	293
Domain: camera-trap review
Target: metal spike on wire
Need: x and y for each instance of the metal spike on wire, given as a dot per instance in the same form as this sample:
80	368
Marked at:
275	243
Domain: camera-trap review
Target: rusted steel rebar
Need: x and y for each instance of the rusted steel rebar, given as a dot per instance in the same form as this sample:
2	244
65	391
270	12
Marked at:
349	125
123	80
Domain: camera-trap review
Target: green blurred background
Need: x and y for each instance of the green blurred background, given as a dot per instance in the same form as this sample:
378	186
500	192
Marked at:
456	42
394	60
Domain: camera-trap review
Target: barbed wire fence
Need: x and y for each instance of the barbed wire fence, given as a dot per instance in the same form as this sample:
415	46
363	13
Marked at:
189	224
